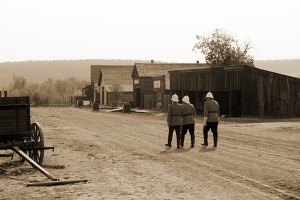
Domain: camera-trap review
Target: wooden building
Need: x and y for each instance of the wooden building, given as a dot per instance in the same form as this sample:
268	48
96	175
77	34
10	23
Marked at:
240	90
151	83
112	84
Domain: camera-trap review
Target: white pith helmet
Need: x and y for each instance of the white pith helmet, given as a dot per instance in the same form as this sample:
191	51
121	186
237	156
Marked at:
174	98
186	99
209	95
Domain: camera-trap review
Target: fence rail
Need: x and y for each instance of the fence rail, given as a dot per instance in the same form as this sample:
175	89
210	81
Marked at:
53	103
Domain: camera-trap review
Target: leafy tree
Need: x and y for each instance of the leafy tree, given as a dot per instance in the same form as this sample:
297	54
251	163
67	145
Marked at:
223	49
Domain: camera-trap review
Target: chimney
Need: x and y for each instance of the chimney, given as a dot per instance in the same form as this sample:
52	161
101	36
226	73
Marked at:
152	61
197	61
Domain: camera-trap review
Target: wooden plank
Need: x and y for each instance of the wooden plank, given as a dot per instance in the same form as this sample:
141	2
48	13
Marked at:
53	183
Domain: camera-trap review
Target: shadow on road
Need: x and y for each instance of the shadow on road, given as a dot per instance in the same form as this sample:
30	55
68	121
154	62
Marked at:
207	149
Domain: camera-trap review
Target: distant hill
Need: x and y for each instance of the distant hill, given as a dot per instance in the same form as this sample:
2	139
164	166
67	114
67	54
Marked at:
287	67
38	71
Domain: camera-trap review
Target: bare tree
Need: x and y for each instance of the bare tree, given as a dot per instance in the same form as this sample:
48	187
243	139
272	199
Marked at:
116	89
17	86
222	49
46	92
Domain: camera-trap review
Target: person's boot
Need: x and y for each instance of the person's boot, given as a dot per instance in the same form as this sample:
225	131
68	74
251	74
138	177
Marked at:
205	137
169	140
182	140
178	141
192	140
215	142
215	139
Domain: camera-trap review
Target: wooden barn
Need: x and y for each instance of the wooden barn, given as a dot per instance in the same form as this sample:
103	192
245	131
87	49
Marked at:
240	90
151	83
112	84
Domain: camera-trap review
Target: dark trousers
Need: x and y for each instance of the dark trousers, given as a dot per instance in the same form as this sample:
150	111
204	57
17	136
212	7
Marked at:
214	129
185	129
170	136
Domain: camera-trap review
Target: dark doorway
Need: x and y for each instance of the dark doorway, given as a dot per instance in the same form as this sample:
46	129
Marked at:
223	99
236	103
138	97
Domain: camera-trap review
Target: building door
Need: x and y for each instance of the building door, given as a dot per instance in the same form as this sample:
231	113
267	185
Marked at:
137	97
102	95
236	103
148	102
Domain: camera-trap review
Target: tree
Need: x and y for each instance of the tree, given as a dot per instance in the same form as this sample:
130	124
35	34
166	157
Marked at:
116	90
61	87
89	92
47	92
17	87
223	49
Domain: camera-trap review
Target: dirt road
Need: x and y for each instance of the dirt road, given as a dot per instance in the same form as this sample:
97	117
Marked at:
123	156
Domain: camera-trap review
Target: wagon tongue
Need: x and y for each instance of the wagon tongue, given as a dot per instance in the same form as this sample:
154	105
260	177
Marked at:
54	180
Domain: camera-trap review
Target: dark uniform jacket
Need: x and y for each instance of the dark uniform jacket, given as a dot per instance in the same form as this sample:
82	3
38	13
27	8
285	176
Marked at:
211	110
189	114
174	114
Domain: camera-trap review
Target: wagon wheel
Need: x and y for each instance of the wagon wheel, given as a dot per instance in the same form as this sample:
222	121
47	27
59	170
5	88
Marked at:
36	152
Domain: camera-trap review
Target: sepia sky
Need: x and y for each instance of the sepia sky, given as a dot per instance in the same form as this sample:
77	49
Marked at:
161	30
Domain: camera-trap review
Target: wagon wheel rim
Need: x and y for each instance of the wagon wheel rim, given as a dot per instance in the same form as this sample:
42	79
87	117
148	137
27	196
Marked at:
36	152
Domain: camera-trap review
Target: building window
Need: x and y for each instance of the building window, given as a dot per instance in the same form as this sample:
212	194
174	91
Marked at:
136	81
156	84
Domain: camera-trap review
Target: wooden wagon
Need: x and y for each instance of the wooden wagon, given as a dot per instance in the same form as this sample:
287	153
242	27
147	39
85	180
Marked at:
23	137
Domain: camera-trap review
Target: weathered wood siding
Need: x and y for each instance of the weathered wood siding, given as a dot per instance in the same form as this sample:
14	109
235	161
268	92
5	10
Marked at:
252	91
277	94
146	88
206	80
14	117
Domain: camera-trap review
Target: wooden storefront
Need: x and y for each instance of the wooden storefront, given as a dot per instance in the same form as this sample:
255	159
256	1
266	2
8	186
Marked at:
151	83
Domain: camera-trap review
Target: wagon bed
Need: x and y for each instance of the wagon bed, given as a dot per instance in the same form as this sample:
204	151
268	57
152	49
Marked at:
19	134
14	118
23	137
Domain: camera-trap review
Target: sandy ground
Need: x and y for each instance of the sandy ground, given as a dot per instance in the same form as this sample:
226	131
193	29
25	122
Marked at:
123	157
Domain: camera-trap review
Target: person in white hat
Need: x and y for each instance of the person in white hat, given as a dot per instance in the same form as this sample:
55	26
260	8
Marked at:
211	119
174	120
188	121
